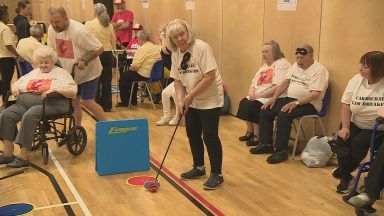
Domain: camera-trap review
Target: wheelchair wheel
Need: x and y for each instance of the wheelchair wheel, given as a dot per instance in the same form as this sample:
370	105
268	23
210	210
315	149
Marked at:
77	140
45	152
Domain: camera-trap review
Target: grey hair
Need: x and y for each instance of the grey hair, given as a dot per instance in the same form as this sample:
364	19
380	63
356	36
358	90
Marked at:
308	47
44	51
102	15
276	51
143	35
36	31
59	10
178	25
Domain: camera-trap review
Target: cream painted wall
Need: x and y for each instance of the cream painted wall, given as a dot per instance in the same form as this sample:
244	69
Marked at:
340	32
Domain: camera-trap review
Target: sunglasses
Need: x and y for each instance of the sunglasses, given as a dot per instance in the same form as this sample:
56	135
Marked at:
302	51
184	62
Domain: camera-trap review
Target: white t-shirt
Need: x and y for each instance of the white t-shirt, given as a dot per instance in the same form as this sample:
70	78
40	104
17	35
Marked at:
314	78
58	79
200	62
267	76
73	44
364	100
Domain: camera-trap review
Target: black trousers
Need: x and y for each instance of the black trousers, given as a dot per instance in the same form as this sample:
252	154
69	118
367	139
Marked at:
125	84
104	95
204	122
7	68
284	122
358	145
375	178
249	110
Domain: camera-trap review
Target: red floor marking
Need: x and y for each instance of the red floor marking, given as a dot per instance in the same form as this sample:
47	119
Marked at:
139	180
188	189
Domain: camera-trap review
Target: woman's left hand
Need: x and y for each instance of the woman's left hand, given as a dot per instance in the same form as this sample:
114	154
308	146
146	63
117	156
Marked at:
187	101
289	107
45	94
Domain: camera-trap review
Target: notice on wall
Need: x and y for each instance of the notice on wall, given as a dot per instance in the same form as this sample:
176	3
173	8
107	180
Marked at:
286	5
145	3
189	4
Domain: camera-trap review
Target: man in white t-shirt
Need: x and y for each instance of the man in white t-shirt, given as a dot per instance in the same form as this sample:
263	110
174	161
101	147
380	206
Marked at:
74	44
305	86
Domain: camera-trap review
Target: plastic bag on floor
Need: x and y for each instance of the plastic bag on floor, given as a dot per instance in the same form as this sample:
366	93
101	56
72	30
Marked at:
317	152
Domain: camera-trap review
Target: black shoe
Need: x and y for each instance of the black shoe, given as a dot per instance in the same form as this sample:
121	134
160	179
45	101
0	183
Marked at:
18	163
343	187
246	137
120	104
5	159
194	173
253	142
336	173
277	157
214	182
156	98
261	149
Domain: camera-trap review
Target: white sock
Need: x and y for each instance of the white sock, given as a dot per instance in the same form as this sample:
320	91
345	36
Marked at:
201	168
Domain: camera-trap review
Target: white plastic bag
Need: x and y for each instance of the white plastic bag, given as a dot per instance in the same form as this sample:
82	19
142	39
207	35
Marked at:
317	152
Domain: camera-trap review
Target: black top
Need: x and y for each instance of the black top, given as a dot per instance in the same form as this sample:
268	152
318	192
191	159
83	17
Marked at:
167	60
22	26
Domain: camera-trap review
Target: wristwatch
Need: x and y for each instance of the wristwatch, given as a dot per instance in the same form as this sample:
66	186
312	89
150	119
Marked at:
297	102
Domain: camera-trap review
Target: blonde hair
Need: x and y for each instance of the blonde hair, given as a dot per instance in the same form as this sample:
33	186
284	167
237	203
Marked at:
178	25
44	51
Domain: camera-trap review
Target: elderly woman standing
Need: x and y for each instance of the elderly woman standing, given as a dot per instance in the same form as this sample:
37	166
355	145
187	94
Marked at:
362	98
7	51
200	96
263	86
103	31
30	90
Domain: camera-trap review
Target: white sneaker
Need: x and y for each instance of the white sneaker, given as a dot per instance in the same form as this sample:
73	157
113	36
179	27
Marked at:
174	121
163	121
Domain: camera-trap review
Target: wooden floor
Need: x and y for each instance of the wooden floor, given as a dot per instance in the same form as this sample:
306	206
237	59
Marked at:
251	187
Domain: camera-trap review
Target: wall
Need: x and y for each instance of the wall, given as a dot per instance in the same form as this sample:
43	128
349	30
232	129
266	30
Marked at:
340	32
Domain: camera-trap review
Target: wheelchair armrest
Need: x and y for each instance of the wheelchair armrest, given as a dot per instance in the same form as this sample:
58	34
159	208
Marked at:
380	120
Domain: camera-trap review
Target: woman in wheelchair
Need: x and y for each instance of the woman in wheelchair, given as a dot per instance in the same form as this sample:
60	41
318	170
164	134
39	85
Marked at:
30	90
363	96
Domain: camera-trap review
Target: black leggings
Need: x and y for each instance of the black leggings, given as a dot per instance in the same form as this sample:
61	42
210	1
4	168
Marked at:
204	122
104	95
7	67
358	145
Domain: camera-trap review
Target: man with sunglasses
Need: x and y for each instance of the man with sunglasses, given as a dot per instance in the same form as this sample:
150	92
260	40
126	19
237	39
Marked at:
305	86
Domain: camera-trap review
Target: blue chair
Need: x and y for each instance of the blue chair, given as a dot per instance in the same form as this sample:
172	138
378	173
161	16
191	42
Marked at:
317	116
157	73
24	67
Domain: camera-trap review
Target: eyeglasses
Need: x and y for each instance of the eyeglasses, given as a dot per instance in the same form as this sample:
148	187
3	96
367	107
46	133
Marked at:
302	51
184	62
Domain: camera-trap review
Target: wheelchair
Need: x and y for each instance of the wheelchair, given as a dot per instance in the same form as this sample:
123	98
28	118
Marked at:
363	168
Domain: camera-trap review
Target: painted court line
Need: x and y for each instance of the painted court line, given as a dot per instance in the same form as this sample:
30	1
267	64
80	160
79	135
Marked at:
200	198
70	185
55	206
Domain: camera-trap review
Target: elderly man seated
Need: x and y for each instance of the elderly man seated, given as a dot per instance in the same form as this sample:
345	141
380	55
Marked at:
30	91
305	86
27	46
140	69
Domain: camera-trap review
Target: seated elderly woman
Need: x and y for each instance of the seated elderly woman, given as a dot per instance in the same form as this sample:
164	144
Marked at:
374	182
362	97
140	69
263	86
30	90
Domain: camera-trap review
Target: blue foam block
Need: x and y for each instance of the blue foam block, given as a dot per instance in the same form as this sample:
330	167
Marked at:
122	146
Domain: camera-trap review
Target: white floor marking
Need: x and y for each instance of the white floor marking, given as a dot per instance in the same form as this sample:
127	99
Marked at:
70	185
54	206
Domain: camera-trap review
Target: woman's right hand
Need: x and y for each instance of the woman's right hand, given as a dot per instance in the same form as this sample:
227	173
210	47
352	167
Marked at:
269	104
251	94
344	133
15	92
181	108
